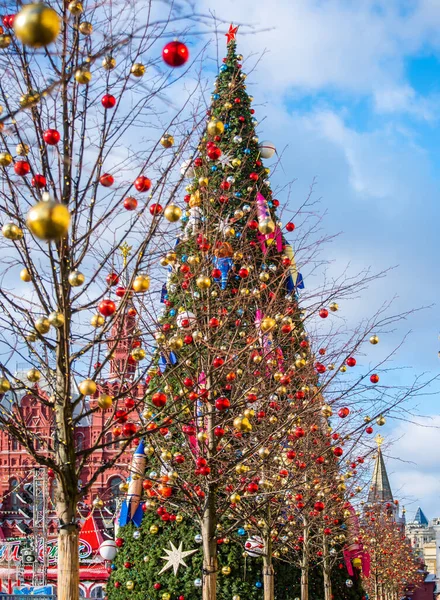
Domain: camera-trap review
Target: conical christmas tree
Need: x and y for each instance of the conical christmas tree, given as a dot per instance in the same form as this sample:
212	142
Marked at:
233	375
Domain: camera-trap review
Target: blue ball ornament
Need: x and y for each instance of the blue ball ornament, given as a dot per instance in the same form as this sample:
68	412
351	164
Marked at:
238	234
258	585
241	531
238	194
184	258
247	150
213	168
113	567
227	126
184	219
223	68
172	312
215	96
270	204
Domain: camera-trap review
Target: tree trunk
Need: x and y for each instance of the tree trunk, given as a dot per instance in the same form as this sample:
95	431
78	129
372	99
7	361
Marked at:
305	564
326	571
209	522
268	570
68	564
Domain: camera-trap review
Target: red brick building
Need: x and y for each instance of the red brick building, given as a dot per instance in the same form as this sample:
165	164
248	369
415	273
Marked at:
17	468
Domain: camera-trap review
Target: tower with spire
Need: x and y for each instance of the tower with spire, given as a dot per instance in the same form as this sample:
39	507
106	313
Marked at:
380	488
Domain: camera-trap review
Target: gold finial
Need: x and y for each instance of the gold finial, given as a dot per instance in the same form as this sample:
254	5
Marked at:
379	440
125	251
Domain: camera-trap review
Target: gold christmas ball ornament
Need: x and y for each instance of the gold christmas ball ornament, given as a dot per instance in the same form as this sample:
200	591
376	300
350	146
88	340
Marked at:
75	7
138	354
42	325
137	69
334	306
242	424
175	343
215	127
381	420
85	28
5	40
235	498
98	503
108	62
76	278
48	220
87	387
203	283
83	76
129	585
105	401
172	213
25	275
11	231
22	149
227	105
5	159
167	140
267	324
30	99
326	411
374	340
97	321
226	570
141	283
154	529
5	386
33	375
31	337
56	319
236	162
266	226
179	519
37	25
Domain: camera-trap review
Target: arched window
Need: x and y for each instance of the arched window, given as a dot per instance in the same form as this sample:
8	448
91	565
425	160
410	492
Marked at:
114	493
14	502
97	592
14	445
79	442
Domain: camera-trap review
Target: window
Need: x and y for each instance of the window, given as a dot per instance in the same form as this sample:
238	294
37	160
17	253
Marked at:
79	442
97	592
13	500
114	492
14	444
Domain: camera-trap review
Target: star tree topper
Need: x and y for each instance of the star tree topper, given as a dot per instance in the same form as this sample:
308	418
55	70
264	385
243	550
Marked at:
175	558
231	33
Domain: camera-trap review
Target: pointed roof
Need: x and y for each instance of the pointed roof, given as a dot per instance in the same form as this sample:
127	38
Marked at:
380	489
420	517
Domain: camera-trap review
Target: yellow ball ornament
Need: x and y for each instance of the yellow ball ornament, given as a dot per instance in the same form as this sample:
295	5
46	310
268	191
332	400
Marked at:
56	319
166	596
29	99
33	375
83	76
5	40
138	354
334	306
5	386
154	529
109	62
129	585
267	324
172	213
76	278
175	343
215	127
87	387
137	69
97	321
37	25
141	283
105	401
48	220
11	231
266	226
374	340
167	140
42	325
85	28
203	283
5	159
235	498
22	149
226	570
75	7
25	275
179	519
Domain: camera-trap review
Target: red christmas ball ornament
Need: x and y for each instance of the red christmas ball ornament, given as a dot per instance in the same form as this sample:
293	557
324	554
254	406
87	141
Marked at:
175	54
22	168
222	403
299	432
338	451
127	565
237	100
142	183
213	152
159	399
322	351
319	506
217	362
117	584
369	430
130	203
188	339
157	586
219	432
214	323
243	273
198	162
119	542
108	101
129	403
121	291
51	137
107	180
38	181
290	226
253	225
320	368
216	273
112	279
121	416
155	209
343	412
107	307
323	313
253	176
50	473
8	21
374	378
225	185
350	362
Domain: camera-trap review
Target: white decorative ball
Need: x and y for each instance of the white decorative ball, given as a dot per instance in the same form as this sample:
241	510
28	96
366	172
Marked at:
254	546
136	534
186	169
198	583
267	149
198	539
108	550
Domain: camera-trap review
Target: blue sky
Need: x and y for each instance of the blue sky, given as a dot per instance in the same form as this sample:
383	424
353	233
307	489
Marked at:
351	91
